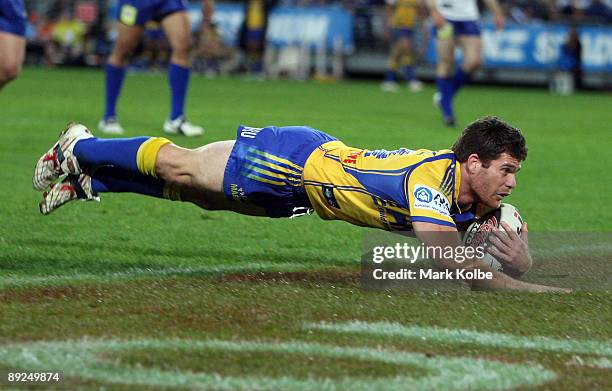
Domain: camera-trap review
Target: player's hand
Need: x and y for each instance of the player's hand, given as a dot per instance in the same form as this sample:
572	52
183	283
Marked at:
511	249
437	19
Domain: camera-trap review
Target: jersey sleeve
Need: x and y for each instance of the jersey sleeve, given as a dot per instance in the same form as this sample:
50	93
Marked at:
426	201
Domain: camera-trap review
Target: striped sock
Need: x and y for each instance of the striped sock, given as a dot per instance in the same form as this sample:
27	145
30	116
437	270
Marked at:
136	155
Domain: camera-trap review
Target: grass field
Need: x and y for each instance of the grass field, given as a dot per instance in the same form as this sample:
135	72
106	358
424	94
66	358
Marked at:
136	292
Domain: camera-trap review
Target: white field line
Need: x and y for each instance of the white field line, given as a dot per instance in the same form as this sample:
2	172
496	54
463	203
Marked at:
85	359
247	267
581	249
600	362
458	336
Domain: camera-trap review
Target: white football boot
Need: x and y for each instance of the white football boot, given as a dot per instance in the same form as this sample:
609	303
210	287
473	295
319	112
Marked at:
110	126
181	126
437	102
60	159
415	85
73	187
389	86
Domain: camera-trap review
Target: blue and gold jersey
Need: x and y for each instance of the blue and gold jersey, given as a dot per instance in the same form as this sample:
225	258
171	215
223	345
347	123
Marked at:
404	13
382	189
255	19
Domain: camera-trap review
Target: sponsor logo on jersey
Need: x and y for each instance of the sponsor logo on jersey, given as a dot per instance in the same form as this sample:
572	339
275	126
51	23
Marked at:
352	157
431	199
328	194
423	194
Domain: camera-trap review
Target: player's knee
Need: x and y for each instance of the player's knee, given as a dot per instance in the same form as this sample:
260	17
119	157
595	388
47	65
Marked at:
473	63
182	50
173	175
118	58
121	52
444	70
176	166
9	71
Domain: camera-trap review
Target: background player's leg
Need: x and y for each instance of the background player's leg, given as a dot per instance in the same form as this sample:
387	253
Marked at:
127	38
177	29
12	51
393	64
446	56
472	60
407	64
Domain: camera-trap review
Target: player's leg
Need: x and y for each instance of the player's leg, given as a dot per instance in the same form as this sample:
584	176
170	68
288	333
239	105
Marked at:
407	62
472	60
94	166
197	176
393	65
149	166
78	150
115	69
178	30
12	51
445	48
12	39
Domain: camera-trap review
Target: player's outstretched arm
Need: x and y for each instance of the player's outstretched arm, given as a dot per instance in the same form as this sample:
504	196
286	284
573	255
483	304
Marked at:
438	235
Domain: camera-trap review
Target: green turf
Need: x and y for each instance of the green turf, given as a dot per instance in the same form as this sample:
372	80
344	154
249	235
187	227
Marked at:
98	250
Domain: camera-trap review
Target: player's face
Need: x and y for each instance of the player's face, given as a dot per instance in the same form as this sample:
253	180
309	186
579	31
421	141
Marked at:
491	184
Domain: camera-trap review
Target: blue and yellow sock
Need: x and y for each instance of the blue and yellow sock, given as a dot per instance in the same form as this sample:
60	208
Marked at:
114	81
178	78
117	180
136	155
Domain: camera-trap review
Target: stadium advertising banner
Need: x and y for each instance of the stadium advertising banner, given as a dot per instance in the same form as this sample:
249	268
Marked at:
228	18
312	25
536	47
539	47
287	25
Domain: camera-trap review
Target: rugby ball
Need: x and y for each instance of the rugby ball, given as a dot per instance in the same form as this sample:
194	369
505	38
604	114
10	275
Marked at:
478	233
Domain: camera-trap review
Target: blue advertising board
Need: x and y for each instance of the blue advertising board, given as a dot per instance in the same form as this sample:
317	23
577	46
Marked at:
538	47
311	25
286	25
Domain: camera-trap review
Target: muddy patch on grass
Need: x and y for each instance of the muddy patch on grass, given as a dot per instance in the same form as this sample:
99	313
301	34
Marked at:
35	295
331	276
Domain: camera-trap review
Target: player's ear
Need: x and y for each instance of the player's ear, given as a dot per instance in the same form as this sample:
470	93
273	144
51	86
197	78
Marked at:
473	162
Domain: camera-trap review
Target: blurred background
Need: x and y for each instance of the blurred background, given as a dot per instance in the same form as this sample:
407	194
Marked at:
563	45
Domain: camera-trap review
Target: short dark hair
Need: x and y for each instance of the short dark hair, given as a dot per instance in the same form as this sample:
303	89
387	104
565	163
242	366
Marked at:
489	137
